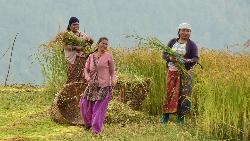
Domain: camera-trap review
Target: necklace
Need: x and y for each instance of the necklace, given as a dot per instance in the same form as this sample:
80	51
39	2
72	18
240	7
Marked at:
98	55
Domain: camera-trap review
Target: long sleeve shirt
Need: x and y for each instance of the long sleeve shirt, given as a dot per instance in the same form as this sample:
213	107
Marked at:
191	52
105	68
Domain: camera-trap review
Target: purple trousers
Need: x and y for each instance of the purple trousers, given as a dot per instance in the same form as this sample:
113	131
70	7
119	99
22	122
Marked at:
93	112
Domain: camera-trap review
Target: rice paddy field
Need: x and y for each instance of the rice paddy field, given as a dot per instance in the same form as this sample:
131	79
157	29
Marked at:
220	101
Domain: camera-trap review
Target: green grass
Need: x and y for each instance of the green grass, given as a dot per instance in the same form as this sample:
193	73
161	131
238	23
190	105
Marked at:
220	96
24	116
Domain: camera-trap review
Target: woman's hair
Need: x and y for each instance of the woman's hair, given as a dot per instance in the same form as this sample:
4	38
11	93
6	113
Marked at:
99	41
72	20
102	38
178	33
68	28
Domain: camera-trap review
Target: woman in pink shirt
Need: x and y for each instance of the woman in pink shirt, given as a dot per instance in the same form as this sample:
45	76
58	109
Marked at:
100	74
74	55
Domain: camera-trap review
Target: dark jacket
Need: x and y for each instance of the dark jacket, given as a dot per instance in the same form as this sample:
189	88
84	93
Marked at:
191	52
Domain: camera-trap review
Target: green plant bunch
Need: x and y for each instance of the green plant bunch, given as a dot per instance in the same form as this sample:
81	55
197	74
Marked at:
69	38
155	43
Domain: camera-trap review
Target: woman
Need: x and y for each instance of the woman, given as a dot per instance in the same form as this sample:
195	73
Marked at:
74	55
178	86
100	75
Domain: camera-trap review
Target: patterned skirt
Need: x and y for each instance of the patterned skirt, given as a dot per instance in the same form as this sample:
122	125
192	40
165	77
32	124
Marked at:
75	72
178	92
94	93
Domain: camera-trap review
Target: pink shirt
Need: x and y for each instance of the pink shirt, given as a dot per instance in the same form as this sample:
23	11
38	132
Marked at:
105	69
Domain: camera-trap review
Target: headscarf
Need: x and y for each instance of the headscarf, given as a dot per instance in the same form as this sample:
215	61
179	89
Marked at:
184	26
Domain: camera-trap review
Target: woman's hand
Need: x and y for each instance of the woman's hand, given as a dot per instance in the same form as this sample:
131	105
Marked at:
90	40
77	48
172	59
113	83
88	79
187	60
